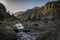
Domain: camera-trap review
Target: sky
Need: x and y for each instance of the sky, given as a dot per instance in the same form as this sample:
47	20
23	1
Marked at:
22	5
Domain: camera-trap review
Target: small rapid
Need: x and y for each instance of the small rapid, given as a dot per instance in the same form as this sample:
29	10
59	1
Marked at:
23	34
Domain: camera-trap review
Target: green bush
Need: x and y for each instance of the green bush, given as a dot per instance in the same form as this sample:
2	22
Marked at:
6	34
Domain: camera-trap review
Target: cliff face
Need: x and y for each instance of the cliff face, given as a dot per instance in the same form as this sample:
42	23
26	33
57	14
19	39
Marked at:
2	10
4	15
50	10
52	5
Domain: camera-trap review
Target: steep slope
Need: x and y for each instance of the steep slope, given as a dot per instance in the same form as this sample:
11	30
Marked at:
50	10
6	33
18	13
31	14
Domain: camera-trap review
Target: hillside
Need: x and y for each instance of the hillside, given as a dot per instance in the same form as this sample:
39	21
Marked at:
6	24
50	10
5	16
30	13
44	20
18	13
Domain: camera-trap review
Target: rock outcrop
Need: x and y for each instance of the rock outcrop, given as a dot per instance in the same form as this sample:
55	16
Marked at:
6	32
49	10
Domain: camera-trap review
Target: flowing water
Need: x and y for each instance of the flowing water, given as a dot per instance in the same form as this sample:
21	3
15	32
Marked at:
23	34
